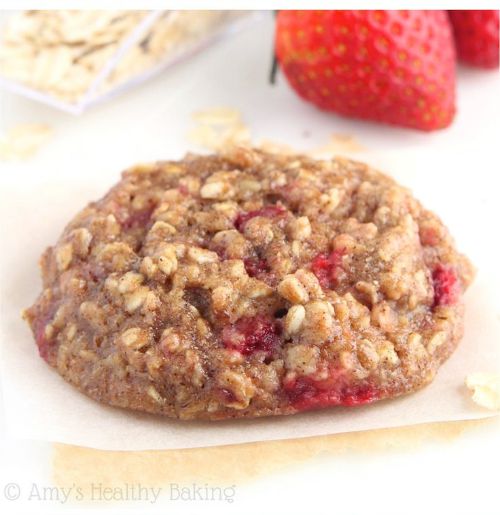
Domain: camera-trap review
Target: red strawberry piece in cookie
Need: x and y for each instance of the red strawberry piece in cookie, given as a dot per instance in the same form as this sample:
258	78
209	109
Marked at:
446	286
327	267
42	332
306	393
249	335
256	267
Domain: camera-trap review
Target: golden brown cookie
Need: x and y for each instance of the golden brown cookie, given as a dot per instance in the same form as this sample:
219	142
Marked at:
247	284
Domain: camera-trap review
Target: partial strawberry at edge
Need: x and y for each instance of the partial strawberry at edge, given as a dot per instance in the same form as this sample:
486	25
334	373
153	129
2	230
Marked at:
396	67
476	37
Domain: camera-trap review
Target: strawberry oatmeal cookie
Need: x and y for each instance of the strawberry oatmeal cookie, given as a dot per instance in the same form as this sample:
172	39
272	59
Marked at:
247	284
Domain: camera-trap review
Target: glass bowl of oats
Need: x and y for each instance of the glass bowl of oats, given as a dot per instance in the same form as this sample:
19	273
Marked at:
74	59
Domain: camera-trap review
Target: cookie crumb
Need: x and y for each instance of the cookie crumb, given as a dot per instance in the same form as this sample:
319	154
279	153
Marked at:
219	127
338	143
218	116
275	147
23	141
485	389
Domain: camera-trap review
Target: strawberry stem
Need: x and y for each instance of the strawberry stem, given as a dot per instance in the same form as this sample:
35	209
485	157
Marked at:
274	70
274	65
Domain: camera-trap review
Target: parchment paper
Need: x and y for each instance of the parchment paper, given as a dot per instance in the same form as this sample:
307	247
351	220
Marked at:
40	405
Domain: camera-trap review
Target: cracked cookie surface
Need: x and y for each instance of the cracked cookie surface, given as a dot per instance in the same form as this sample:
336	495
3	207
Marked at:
248	284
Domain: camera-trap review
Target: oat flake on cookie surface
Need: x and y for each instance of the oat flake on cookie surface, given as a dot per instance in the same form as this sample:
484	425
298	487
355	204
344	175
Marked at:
247	284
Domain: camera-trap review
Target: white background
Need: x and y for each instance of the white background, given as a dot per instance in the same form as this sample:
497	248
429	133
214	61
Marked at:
461	165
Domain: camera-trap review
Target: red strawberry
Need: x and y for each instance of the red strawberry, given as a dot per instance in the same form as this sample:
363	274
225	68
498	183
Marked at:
396	67
476	37
446	286
252	334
